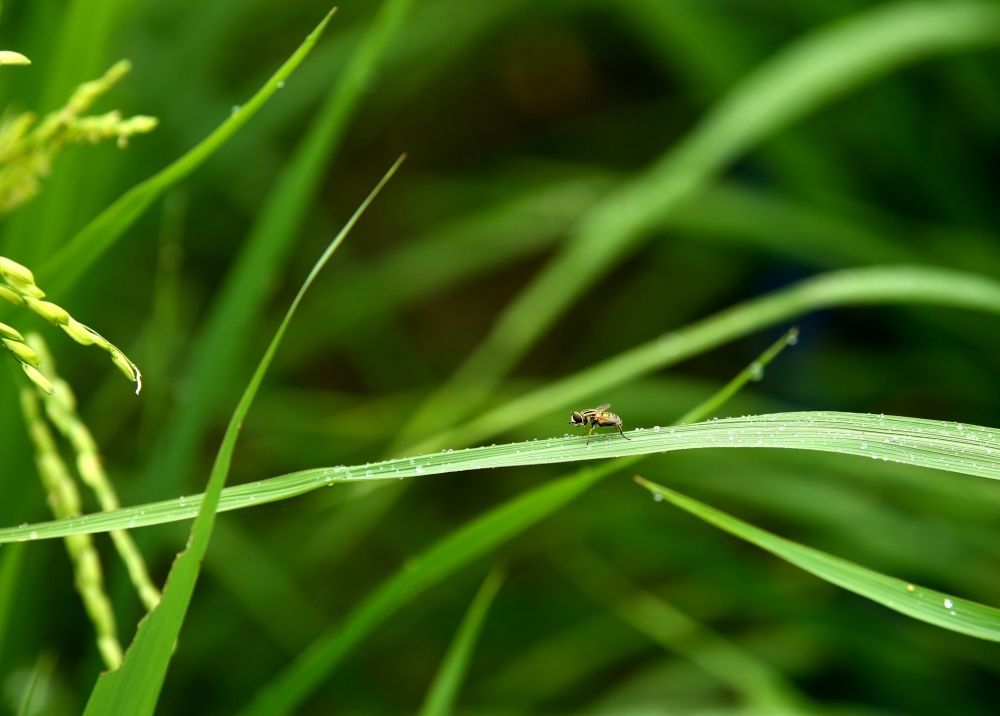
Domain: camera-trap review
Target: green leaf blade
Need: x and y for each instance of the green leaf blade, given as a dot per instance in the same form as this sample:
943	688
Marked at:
927	605
440	700
215	353
950	447
69	264
135	687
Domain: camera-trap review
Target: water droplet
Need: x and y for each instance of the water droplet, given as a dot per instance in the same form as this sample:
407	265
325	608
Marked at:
281	84
33	535
656	428
756	371
234	109
864	446
948	604
657	497
419	469
910	588
368	473
793	336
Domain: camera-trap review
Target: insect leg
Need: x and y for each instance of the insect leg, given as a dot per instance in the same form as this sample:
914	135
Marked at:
590	429
621	432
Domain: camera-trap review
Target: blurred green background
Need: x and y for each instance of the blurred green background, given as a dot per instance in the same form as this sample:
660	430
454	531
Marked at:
518	118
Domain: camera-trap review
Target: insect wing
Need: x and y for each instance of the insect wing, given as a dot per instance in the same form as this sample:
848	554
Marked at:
602	407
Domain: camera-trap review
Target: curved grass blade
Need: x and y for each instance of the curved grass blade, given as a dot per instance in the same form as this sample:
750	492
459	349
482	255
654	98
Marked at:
45	665
754	372
63	269
263	256
307	672
937	608
440	699
804	76
867	286
135	687
951	447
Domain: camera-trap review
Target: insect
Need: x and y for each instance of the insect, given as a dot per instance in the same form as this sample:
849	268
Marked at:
598	417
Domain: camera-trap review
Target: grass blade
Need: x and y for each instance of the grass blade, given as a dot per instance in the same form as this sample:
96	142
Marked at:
135	687
307	672
41	674
868	286
928	605
804	76
63	269
440	699
226	331
952	447
754	371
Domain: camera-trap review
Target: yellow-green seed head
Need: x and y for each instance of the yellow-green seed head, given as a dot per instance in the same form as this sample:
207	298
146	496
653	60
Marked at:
62	390
9	57
15	272
30	290
49	311
10	332
11	296
82	334
37	378
22	351
89	465
51	466
140	124
124	364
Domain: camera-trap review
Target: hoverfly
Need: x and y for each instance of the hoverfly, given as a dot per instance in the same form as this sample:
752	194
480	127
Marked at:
598	417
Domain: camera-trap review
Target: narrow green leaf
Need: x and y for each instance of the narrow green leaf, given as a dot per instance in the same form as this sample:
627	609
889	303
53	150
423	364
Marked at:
222	340
41	674
868	286
440	700
307	672
754	371
135	688
63	269
952	447
928	605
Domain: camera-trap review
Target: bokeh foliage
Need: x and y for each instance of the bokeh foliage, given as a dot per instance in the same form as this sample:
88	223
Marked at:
655	163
